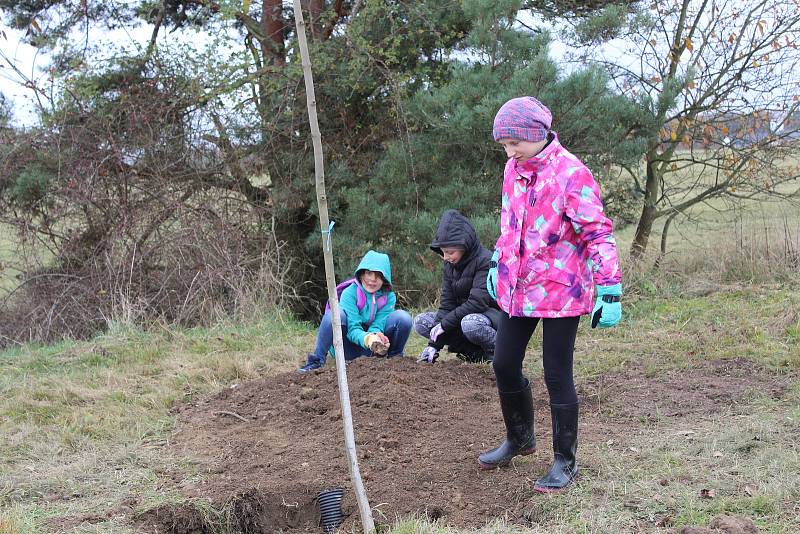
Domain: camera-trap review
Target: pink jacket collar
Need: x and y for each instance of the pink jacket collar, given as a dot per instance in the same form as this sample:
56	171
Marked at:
531	167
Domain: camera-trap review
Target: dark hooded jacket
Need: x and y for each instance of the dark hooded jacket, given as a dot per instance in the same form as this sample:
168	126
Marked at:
463	284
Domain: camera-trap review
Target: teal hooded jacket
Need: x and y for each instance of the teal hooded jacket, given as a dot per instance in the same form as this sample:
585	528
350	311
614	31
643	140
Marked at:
372	318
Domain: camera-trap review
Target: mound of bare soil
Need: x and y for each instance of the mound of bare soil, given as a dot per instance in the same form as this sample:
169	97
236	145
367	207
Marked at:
267	447
724	524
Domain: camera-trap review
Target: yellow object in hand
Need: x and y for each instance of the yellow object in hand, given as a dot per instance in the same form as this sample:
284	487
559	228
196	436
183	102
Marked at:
373	342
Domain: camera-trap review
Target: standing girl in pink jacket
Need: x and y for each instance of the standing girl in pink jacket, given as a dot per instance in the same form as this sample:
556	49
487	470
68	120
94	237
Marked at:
555	260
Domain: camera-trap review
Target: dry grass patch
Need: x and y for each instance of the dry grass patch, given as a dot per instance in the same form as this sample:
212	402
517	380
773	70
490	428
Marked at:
83	425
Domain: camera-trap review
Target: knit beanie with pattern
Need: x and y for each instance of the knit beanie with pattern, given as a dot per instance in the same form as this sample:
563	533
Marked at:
524	119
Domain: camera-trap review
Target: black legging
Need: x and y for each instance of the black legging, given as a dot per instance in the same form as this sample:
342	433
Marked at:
558	342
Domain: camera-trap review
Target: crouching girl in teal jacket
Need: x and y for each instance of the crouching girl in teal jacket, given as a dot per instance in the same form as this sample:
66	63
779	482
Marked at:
370	322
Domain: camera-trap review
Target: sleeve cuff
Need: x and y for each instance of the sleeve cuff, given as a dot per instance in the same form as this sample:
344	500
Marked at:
616	290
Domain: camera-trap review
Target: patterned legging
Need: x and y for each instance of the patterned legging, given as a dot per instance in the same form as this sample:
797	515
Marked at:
476	327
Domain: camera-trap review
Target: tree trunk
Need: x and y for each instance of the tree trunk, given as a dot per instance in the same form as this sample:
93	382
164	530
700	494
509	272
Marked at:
315	17
649	211
273	24
664	233
643	230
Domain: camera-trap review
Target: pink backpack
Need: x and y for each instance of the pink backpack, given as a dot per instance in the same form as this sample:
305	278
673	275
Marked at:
361	296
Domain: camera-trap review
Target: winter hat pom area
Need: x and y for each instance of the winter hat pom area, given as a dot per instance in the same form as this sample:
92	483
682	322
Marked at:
523	118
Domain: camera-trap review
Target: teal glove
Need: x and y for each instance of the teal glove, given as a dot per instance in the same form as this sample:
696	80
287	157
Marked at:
607	310
491	278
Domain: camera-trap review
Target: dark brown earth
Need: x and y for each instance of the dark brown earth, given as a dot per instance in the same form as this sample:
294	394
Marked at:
724	524
267	447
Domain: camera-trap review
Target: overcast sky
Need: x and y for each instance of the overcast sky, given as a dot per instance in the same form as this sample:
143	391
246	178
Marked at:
24	58
33	63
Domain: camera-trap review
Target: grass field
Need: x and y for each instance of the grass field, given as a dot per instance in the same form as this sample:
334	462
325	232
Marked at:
84	425
7	273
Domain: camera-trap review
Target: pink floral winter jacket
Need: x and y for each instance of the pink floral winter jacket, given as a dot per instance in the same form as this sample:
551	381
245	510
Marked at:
555	241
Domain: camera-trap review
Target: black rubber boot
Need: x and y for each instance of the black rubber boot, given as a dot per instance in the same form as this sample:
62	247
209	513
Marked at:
517	408
565	444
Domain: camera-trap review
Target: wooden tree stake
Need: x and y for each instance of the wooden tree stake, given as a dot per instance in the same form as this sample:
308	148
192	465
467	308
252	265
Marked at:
324	224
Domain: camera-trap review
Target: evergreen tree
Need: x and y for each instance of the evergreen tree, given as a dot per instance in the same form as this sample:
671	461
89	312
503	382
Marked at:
137	146
448	159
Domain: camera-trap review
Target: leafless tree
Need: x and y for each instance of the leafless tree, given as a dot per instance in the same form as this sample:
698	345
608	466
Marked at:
721	80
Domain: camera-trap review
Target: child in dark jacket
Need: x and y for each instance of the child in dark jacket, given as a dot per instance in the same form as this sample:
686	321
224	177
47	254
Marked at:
370	322
467	318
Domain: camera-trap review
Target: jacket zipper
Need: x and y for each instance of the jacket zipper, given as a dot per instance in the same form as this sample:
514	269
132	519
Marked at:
519	250
531	200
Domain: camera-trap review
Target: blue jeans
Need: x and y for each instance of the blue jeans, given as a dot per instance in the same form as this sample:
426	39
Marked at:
397	329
